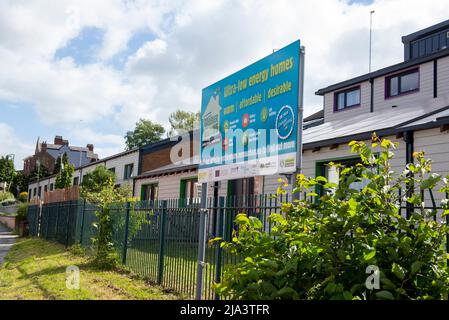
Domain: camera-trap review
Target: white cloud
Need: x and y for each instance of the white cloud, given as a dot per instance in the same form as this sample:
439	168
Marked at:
197	43
10	144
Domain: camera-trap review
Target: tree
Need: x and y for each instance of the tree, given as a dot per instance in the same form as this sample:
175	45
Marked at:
57	165
39	172
183	121
65	175
7	170
97	180
146	132
98	188
324	249
20	183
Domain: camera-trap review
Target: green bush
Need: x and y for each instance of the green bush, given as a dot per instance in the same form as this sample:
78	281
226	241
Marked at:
22	212
6	196
321	249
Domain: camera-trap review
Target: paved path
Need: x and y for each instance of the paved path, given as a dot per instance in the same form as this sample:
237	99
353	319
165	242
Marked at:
7	239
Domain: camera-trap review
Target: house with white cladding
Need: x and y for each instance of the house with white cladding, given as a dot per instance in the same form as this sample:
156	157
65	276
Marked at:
407	103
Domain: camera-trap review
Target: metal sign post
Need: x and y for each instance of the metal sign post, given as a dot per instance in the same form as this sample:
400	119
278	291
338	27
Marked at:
302	55
201	242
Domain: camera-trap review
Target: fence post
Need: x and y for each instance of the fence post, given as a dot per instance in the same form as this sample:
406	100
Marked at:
201	243
67	224
447	235
125	242
218	249
163	218
83	208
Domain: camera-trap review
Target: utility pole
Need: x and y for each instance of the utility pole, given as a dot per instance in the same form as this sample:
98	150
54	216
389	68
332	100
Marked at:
38	163
370	39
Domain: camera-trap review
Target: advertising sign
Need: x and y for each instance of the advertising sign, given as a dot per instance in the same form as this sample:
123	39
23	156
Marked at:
249	120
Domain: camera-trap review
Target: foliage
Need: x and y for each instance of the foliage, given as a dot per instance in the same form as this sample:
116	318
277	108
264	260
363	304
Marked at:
98	179
6	196
146	132
57	165
65	174
23	197
7	170
321	249
19	184
39	172
22	212
108	199
183	121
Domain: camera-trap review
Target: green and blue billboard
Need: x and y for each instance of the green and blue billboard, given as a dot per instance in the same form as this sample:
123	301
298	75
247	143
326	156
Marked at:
249	120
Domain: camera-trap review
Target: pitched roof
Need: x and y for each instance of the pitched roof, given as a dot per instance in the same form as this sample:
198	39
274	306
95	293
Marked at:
362	126
383	72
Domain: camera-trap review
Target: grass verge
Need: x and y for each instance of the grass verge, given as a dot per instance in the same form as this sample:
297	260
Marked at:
36	270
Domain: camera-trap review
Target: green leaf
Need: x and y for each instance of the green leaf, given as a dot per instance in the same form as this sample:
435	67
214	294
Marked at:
255	223
347	295
416	266
430	182
370	255
384	295
398	271
242	219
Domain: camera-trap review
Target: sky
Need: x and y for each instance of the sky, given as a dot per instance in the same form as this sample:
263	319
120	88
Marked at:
89	70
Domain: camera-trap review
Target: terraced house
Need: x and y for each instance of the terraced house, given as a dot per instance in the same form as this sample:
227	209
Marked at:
407	103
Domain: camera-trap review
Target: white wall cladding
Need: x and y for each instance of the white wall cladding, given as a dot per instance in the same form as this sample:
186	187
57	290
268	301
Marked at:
311	158
422	97
436	146
169	185
117	163
330	115
443	79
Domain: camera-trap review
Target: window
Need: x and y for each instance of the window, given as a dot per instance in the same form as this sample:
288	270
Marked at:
347	99
52	186
149	192
76	181
429	45
45	189
332	174
34	192
112	170
39	192
129	168
190	190
399	84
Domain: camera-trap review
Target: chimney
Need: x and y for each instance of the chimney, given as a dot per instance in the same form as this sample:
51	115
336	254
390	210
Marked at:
59	141
90	147
44	146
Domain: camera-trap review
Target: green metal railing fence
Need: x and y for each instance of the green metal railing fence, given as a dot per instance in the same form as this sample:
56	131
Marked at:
160	240
157	240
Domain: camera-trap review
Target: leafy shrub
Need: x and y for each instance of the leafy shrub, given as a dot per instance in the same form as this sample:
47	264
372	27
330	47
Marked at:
6	196
22	212
101	191
321	250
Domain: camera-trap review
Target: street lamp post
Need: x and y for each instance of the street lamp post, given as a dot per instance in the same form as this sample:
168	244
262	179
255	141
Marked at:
38	163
